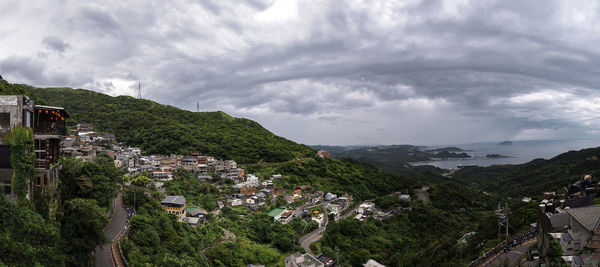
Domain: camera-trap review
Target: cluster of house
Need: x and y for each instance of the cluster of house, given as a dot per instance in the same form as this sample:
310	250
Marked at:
252	193
573	222
331	203
163	167
84	143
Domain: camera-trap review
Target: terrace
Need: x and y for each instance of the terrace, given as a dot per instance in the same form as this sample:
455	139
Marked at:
50	121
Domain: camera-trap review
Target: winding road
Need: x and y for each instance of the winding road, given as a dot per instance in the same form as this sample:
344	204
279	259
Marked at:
118	221
513	256
315	235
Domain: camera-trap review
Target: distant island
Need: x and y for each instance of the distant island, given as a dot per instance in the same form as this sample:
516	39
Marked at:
496	156
449	149
505	143
445	154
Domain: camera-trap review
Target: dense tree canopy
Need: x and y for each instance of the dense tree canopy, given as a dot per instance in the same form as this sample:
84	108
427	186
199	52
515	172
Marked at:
156	238
95	180
361	180
26	238
81	222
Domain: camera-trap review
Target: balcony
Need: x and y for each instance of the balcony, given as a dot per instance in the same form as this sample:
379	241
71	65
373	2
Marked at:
50	121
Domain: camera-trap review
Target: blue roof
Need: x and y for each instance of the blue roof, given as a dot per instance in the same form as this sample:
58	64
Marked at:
567	237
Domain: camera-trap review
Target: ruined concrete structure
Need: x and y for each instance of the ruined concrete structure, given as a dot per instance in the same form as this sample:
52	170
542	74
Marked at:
48	126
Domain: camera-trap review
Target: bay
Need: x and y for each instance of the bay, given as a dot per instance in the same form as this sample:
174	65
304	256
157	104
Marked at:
519	152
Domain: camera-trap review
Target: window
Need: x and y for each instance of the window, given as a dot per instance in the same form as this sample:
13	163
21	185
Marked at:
4	122
6	189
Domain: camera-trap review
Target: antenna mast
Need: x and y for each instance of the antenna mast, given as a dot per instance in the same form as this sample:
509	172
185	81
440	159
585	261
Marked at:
198	106
139	90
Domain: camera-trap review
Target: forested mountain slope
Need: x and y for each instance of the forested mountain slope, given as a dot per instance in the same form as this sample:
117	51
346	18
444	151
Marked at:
158	128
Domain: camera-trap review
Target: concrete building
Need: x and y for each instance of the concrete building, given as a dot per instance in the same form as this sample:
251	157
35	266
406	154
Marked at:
302	260
585	232
276	213
286	217
48	126
175	205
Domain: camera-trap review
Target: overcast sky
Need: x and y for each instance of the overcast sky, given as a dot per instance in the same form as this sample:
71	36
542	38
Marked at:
329	72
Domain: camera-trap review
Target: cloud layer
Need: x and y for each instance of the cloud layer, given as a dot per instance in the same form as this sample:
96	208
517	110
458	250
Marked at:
329	72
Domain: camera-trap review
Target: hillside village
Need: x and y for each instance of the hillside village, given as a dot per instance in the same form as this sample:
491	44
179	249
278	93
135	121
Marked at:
256	193
567	226
237	189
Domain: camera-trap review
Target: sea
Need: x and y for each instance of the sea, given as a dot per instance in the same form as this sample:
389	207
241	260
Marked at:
517	153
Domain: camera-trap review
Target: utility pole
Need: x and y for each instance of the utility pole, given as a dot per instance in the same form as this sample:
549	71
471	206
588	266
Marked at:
499	214
506	213
503	221
198	106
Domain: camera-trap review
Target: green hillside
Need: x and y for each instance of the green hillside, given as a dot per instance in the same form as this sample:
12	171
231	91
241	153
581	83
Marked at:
160	129
534	177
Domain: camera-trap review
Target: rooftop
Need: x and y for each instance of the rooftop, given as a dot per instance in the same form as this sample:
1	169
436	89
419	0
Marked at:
276	211
52	108
303	260
286	214
373	263
174	200
193	212
567	237
587	216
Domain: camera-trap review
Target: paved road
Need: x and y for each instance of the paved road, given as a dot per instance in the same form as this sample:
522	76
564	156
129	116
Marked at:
315	235
513	255
119	220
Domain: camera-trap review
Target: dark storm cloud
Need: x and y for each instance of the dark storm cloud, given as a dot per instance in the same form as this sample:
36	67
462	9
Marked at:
506	67
22	67
99	19
56	44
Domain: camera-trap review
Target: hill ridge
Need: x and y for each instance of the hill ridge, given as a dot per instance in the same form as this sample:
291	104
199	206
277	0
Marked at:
163	129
